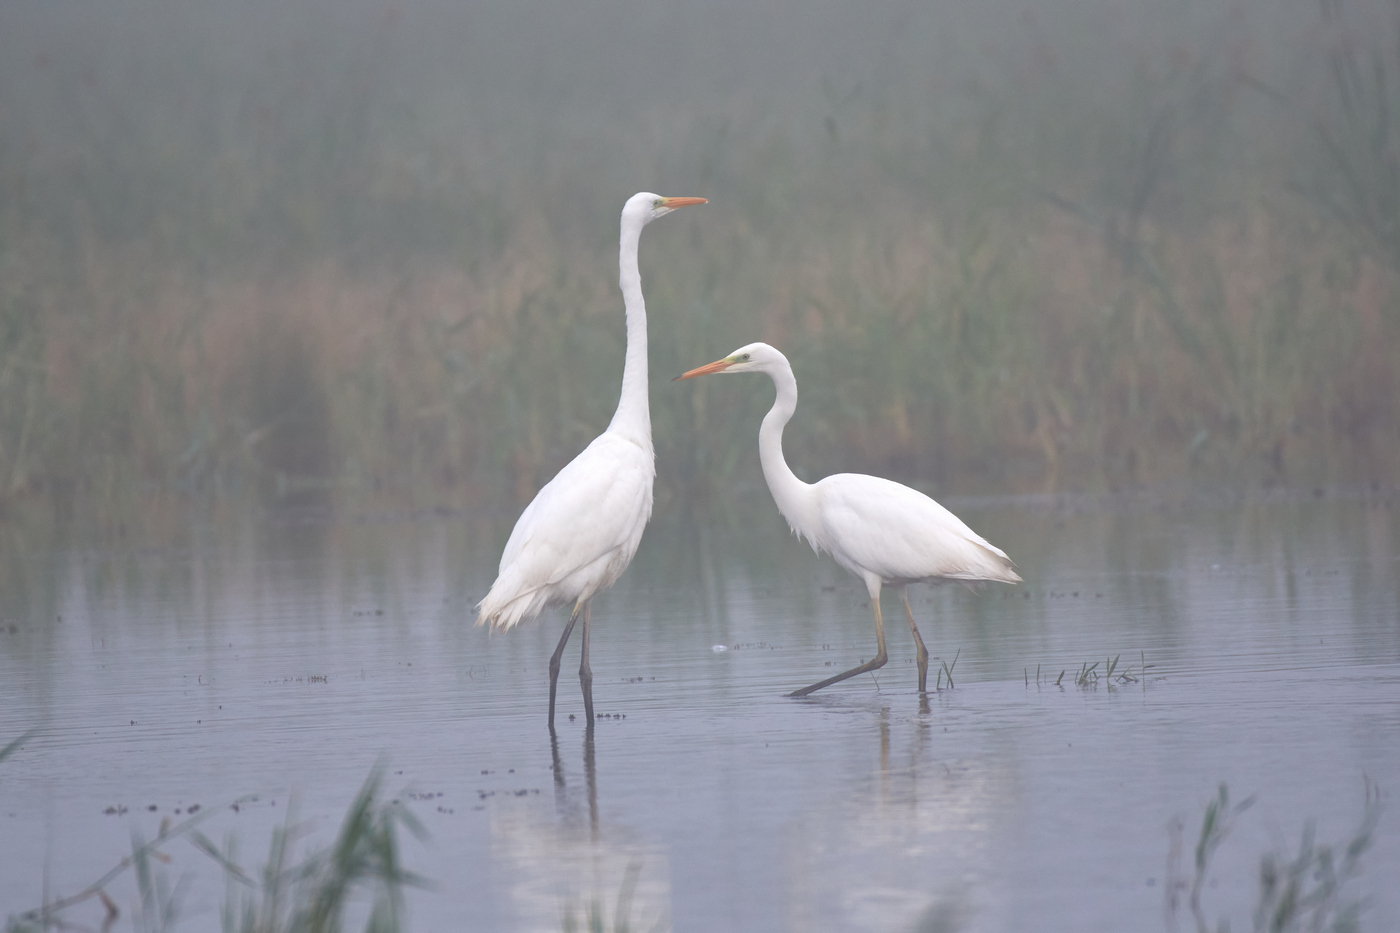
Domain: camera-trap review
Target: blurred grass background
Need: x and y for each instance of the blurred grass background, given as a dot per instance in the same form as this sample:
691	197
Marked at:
290	253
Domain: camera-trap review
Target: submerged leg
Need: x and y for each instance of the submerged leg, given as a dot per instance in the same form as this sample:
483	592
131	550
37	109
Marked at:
876	662
554	663
585	673
923	652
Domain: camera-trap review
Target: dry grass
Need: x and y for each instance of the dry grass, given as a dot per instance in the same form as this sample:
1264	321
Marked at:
1029	356
1048	289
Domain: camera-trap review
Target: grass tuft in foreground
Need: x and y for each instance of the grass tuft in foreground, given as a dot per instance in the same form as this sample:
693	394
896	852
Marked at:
288	895
1302	892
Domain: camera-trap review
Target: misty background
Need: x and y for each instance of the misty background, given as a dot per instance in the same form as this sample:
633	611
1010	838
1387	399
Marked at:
291	250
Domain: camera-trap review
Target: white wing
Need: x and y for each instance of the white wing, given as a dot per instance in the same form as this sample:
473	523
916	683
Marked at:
578	534
879	526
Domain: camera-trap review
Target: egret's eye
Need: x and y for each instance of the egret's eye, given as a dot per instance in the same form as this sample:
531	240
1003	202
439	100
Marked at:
657	203
743	357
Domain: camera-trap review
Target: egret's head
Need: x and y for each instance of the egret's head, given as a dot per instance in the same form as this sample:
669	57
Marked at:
646	207
756	357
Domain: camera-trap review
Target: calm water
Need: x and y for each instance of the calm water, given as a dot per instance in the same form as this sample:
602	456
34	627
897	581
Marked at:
279	657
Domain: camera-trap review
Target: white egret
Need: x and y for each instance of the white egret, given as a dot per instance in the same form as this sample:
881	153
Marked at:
580	531
877	529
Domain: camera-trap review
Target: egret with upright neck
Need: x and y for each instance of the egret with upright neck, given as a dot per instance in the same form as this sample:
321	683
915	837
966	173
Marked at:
877	529
582	529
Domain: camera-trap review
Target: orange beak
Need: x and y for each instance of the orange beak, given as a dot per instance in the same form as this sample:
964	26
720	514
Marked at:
718	366
682	202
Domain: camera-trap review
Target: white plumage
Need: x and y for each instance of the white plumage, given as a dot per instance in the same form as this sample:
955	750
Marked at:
582	529
879	530
877	526
578	534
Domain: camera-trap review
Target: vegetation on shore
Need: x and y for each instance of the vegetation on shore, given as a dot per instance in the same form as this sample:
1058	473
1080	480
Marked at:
293	280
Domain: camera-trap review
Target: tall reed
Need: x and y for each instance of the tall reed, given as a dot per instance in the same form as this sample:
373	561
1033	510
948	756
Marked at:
293	285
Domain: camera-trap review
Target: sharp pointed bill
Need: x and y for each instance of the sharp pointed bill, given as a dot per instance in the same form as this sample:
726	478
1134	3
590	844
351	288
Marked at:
718	366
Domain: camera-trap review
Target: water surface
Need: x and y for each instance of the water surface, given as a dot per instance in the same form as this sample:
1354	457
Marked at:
286	658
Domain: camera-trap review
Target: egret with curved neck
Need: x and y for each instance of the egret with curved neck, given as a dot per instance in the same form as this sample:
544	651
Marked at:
879	530
582	529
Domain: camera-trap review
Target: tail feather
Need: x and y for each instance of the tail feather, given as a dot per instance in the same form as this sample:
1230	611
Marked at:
505	606
997	567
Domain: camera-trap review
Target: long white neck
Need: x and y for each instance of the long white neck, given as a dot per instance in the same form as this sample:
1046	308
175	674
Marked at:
633	416
793	497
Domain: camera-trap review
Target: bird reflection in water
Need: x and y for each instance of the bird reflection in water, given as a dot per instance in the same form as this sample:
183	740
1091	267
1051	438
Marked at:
567	862
590	778
906	847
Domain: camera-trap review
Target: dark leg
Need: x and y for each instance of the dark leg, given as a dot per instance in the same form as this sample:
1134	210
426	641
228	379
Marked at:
923	652
874	663
554	663
585	673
